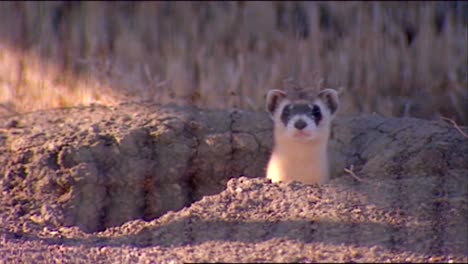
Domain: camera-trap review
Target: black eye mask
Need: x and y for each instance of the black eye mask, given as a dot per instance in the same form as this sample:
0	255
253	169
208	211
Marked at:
313	112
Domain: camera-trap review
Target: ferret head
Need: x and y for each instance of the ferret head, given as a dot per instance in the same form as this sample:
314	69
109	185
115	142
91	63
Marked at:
300	114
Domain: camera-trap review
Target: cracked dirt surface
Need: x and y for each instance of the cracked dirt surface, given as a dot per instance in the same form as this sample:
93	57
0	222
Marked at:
147	183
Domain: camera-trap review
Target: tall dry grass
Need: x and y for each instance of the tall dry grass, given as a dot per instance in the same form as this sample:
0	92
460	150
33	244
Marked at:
393	58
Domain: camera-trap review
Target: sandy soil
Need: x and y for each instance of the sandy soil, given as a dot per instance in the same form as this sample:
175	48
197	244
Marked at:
150	184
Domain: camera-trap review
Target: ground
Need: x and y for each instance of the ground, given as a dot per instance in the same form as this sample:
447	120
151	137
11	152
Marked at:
140	183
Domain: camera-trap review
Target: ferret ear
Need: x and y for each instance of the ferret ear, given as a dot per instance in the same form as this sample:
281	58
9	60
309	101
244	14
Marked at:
273	98
330	98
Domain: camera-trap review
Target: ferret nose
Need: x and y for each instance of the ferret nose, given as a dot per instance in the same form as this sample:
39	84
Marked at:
300	124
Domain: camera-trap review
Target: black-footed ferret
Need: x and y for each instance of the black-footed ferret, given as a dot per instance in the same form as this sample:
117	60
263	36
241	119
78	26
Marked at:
302	122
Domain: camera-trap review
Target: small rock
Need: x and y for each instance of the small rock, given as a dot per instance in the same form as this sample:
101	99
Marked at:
12	123
126	118
93	128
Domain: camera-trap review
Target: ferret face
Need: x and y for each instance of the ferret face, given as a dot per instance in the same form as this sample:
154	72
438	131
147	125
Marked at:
301	115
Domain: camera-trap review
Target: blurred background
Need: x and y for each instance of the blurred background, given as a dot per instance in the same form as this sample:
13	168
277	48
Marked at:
392	58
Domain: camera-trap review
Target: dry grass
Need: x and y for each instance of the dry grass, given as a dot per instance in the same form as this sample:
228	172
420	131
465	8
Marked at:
397	59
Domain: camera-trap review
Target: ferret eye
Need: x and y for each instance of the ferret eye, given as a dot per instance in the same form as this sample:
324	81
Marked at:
316	111
286	111
285	115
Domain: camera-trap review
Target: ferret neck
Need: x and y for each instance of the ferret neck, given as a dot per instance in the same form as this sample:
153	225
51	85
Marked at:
298	148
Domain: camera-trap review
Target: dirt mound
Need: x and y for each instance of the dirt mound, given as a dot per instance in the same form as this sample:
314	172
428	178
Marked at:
69	173
107	166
